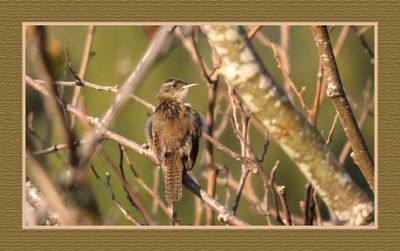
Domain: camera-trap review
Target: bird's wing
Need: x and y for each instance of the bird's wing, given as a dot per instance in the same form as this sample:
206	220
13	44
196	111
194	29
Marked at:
193	136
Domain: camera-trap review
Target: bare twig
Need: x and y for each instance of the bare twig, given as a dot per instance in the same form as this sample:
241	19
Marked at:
317	210
82	70
223	123
156	183
298	93
113	89
266	182
156	198
309	205
367	50
271	185
329	137
54	148
282	196
241	131
336	93
313	114
133	196
253	31
107	184
284	56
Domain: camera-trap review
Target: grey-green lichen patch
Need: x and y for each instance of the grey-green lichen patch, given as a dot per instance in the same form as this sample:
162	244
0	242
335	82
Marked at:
246	55
247	71
332	90
248	99
264	82
360	215
232	34
221	50
271	93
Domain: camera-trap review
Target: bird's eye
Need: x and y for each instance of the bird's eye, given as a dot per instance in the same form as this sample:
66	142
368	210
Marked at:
174	85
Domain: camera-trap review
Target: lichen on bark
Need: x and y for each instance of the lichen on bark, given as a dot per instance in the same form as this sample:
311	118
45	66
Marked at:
243	70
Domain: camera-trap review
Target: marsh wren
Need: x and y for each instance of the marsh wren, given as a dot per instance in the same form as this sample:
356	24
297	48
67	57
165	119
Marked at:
173	133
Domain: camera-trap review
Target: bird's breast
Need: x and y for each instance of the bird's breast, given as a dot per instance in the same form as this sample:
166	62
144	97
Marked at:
170	123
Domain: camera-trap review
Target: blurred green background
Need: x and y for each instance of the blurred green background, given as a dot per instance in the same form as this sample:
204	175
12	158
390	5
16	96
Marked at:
117	50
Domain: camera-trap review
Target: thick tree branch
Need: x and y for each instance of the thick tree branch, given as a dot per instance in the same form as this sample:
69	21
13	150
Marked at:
243	70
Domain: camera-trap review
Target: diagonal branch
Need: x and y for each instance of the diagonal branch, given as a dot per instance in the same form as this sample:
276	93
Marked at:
244	71
337	95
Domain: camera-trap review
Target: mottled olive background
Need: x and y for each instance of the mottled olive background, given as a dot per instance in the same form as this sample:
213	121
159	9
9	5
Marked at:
12	16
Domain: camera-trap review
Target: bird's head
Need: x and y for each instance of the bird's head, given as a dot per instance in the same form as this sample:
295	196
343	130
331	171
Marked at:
175	89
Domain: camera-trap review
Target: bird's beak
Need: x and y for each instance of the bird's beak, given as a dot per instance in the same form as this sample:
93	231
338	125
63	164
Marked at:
188	86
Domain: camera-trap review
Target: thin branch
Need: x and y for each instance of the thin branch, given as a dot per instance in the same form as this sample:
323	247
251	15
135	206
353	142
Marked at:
336	93
112	89
309	205
241	131
132	194
86	56
271	185
317	209
156	184
282	196
156	198
43	142
367	50
55	148
329	138
107	185
298	93
242	181
223	123
313	114
284	56
253	31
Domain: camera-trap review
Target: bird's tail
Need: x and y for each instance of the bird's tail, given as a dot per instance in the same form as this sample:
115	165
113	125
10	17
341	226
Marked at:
173	169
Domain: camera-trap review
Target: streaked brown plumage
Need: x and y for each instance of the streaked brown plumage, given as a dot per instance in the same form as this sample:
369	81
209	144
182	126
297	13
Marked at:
173	132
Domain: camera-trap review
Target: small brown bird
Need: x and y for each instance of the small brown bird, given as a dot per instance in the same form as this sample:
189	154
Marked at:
173	132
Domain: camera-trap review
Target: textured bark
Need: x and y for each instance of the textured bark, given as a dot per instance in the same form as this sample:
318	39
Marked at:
244	71
336	93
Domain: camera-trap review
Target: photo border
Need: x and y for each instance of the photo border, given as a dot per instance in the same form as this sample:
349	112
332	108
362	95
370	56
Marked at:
385	13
